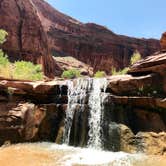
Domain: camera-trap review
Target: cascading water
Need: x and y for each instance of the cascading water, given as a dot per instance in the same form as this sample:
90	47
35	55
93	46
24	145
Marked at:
95	119
78	91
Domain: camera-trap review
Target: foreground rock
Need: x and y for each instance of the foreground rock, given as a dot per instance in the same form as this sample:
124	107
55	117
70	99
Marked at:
37	32
121	138
30	111
19	122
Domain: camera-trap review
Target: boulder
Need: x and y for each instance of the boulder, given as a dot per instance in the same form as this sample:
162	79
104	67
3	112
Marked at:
151	143
121	138
19	122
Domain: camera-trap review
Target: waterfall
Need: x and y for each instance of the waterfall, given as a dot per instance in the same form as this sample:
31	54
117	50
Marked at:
77	92
86	91
95	119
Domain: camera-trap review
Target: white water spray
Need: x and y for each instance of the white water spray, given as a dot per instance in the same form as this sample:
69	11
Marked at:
95	119
78	90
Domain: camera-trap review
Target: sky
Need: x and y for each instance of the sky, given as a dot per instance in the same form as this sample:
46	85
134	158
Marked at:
137	18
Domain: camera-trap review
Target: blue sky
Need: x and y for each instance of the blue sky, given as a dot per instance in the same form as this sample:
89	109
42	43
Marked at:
138	18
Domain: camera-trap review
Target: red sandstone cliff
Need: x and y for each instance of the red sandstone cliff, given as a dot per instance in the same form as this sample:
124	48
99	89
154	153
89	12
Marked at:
27	39
36	30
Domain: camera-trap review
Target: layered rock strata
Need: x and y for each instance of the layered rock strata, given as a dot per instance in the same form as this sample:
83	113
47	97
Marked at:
37	32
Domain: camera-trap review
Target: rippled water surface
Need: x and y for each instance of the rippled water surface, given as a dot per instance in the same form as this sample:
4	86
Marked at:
48	154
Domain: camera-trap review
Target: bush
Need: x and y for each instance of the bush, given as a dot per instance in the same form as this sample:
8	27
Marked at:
100	74
3	35
3	59
5	66
135	57
20	69
27	70
70	74
120	72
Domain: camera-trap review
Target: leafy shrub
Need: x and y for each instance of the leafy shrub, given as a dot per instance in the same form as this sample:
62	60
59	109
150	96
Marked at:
3	59
120	72
100	74
20	69
135	57
71	73
3	35
27	70
5	66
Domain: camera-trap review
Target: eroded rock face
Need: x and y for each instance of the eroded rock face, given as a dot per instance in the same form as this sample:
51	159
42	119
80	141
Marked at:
121	138
29	111
90	43
37	31
27	39
151	143
67	63
152	64
19	122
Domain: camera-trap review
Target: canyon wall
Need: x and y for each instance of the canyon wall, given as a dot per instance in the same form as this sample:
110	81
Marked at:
27	39
37	32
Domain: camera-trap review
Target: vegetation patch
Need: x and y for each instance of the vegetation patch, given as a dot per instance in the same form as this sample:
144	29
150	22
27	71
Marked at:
99	74
70	74
20	69
134	58
3	35
27	70
120	72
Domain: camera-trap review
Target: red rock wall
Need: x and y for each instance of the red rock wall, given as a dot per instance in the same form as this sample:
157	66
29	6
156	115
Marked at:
27	39
90	43
36	31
